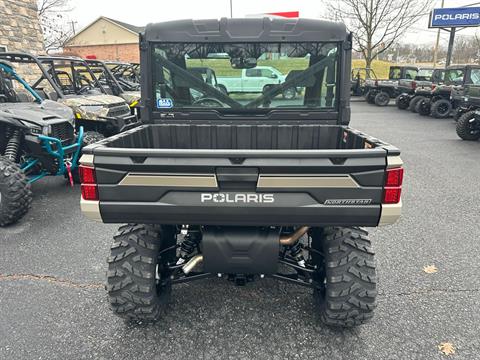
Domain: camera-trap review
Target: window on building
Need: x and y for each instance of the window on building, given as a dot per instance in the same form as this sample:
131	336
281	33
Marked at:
3	48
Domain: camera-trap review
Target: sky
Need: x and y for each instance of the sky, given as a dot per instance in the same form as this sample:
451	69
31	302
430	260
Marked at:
142	12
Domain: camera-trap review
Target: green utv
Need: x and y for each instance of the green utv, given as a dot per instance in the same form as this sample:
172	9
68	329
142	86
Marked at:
243	186
468	112
37	139
69	80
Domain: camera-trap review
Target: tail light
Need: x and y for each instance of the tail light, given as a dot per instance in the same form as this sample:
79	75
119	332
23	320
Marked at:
88	179
414	85
393	186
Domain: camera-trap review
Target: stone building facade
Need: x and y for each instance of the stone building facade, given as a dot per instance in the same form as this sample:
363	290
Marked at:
20	28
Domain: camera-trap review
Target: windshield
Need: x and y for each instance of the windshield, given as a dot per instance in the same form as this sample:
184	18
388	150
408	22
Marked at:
245	75
454	76
424	74
14	89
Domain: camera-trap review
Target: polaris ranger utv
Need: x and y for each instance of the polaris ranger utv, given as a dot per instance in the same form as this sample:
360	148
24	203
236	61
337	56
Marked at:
447	97
414	91
243	186
468	113
37	139
359	76
379	91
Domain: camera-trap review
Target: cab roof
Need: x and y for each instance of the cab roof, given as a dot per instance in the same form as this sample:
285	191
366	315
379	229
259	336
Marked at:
246	30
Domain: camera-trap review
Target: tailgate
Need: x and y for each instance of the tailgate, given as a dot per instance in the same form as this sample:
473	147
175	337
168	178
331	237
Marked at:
240	187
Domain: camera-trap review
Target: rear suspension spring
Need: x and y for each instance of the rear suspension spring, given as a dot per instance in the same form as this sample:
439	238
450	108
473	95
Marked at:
188	246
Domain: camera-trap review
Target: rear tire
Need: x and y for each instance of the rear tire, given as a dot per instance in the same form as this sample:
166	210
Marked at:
423	107
15	192
133	290
464	127
402	101
413	103
441	109
346	275
382	99
370	97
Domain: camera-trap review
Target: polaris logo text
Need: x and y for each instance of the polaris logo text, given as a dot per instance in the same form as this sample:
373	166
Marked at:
234	198
447	17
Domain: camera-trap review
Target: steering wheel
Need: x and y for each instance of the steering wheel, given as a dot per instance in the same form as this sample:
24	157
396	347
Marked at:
209	102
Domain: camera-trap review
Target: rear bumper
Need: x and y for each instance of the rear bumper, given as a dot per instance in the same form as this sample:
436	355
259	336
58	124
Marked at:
313	215
279	209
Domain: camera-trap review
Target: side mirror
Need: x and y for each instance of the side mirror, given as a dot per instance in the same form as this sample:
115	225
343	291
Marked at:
274	76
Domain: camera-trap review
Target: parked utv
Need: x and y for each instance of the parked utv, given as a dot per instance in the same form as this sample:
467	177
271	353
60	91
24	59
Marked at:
468	113
94	107
112	86
359	76
127	75
379	92
421	87
63	79
244	187
446	97
37	139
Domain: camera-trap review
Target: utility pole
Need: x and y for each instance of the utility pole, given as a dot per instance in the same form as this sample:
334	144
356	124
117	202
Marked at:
435	53
231	8
73	26
450	46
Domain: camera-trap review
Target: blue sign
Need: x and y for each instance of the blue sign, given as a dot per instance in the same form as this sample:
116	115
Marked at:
455	17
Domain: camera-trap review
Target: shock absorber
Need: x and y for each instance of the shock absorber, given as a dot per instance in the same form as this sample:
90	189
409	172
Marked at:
188	246
13	145
296	252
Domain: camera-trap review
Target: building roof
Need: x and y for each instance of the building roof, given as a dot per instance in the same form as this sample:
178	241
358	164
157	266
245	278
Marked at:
128	27
133	28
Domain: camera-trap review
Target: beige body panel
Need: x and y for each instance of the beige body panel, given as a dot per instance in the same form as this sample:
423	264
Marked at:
196	181
390	213
278	181
91	209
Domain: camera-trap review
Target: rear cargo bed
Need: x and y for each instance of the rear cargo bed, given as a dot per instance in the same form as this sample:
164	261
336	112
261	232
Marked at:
315	175
230	136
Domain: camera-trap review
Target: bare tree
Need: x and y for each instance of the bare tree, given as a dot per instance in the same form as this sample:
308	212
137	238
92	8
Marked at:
56	28
377	24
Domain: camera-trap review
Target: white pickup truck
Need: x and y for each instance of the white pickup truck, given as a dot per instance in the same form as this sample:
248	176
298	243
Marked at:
255	80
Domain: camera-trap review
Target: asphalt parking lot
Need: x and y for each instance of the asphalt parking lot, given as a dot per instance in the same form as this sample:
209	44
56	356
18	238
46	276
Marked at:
52	267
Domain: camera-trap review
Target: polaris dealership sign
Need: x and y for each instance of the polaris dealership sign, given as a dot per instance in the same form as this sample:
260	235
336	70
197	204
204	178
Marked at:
455	17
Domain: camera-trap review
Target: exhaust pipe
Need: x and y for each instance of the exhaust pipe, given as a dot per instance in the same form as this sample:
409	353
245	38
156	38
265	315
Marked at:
291	239
190	265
